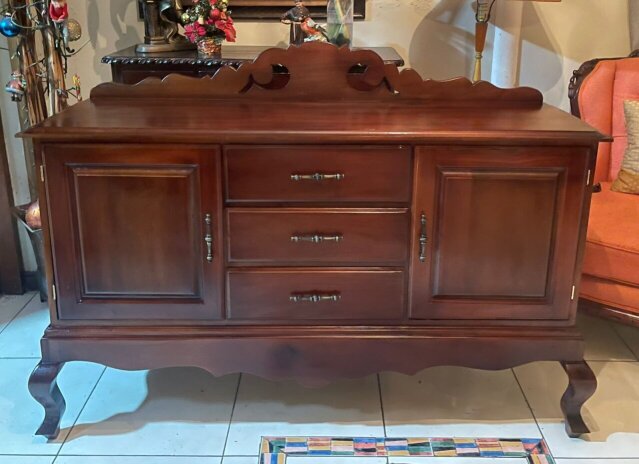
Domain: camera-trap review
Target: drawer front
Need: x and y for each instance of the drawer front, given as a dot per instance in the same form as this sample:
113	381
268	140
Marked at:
315	295
318	174
318	236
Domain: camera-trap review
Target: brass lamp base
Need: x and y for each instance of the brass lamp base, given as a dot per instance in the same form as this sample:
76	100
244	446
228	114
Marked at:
162	47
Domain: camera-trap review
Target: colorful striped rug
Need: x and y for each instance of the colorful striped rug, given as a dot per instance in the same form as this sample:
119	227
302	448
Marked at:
275	450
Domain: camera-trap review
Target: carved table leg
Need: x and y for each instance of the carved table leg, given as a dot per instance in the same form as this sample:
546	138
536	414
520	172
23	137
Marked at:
582	384
44	388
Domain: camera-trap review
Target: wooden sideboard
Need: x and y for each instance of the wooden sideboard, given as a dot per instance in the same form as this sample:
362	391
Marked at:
129	66
314	226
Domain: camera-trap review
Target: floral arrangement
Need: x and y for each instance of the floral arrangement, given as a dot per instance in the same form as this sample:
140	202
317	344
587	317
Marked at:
208	19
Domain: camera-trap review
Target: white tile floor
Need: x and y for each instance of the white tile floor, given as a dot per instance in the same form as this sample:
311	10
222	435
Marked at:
186	416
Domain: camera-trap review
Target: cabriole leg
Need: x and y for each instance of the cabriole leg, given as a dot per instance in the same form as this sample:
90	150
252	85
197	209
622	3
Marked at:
582	384
44	388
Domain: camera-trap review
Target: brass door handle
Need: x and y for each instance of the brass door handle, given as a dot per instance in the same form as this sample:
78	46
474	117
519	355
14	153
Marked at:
317	177
208	237
317	238
314	297
423	238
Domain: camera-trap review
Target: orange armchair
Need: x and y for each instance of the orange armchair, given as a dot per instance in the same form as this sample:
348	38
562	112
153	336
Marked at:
610	281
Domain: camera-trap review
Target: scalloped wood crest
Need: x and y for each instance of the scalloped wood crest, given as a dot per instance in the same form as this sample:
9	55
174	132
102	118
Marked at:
320	71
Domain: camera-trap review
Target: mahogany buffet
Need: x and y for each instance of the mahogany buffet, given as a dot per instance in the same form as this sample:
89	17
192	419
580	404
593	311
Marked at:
313	225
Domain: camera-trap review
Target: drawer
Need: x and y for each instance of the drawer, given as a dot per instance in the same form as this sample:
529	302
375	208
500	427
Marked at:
321	295
318	236
318	174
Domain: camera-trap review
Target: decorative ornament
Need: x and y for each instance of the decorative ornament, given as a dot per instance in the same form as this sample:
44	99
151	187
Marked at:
7	27
209	22
16	86
339	21
32	216
73	30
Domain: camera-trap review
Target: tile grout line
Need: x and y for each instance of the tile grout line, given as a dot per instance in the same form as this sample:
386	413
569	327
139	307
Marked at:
523	393
623	340
228	430
18	313
381	405
80	413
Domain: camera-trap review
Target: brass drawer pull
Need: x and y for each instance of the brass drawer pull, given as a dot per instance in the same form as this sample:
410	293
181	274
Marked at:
314	297
316	177
423	239
317	238
208	237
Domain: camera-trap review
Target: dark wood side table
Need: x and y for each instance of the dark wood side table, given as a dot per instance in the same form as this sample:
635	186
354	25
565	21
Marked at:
130	67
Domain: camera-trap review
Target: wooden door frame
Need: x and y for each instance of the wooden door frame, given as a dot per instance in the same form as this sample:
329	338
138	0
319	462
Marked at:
10	253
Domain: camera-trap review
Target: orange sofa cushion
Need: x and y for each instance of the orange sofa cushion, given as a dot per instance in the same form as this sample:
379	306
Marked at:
601	104
610	293
612	246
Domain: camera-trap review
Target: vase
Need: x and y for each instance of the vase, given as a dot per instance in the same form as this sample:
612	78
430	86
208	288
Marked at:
339	25
209	47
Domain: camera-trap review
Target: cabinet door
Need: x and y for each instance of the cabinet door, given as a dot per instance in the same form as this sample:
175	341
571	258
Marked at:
499	230
129	226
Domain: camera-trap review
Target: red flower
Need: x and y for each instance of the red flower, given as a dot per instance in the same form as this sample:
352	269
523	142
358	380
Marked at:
215	13
225	24
194	31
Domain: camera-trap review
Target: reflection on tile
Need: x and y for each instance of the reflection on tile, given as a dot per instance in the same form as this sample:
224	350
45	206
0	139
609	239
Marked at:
459	402
21	415
611	413
264	408
165	412
21	338
138	460
241	460
10	305
630	335
602	342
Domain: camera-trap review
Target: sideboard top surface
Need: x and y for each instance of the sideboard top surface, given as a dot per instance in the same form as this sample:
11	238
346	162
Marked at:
310	94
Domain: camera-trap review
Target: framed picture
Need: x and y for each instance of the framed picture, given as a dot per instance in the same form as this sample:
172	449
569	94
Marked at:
273	9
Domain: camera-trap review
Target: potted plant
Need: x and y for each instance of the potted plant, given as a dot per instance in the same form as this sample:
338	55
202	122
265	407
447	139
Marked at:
207	24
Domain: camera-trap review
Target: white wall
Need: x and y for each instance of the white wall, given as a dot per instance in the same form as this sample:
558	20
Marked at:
436	37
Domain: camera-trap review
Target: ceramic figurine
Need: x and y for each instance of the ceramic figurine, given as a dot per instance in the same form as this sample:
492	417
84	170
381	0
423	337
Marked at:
314	32
16	86
295	17
58	11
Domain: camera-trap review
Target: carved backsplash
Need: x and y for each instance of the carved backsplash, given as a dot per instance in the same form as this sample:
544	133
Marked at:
320	71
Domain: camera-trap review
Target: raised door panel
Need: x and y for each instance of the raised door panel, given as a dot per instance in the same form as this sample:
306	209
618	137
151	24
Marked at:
499	232
128	225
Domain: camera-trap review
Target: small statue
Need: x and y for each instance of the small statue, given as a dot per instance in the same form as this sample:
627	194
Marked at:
59	14
296	16
58	11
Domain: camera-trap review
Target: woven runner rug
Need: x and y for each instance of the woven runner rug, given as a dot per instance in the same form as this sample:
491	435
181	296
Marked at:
275	450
